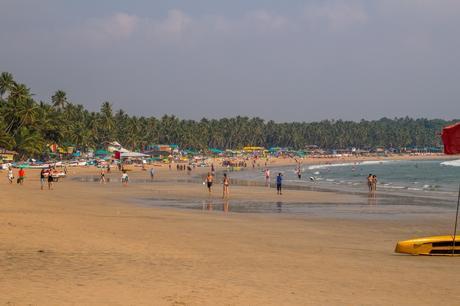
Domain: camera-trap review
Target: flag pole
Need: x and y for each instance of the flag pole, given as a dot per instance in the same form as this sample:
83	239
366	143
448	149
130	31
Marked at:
456	221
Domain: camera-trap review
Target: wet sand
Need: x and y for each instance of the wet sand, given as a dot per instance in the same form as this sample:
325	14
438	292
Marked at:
92	244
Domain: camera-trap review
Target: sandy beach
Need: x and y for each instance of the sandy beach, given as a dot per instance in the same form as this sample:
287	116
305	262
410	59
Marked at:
87	243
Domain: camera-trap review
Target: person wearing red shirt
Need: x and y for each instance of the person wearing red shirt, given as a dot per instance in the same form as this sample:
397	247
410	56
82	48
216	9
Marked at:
21	176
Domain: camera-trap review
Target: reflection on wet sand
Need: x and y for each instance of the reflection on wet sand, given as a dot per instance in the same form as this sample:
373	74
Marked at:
210	206
372	198
279	206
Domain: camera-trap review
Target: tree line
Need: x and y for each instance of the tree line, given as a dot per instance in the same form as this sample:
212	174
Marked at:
28	126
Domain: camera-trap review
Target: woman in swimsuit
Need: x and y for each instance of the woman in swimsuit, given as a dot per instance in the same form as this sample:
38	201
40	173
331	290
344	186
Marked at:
226	183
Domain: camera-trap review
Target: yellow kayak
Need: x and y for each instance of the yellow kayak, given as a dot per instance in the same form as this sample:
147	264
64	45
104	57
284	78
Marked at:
435	245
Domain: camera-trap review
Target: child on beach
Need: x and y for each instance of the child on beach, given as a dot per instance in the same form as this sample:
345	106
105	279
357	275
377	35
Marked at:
226	183
279	182
124	178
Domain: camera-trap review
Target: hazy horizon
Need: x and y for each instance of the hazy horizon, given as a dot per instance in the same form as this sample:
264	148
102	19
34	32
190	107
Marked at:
297	61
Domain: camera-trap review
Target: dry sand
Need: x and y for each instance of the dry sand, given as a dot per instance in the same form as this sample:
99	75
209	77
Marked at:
90	244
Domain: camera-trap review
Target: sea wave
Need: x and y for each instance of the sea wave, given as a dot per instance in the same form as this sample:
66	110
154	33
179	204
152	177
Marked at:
454	163
368	162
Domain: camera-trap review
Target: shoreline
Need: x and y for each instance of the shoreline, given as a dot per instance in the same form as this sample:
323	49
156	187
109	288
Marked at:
86	243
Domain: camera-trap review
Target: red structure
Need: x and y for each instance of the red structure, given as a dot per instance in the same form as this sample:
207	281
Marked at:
451	139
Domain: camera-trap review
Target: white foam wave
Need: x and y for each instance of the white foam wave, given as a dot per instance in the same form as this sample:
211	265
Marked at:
454	163
368	162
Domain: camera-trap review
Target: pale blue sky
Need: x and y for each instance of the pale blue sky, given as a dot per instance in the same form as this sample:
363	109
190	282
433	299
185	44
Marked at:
282	60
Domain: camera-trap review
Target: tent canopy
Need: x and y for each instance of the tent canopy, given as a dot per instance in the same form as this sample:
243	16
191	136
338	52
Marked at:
132	155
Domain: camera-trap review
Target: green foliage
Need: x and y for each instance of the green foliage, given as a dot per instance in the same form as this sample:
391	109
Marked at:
28	126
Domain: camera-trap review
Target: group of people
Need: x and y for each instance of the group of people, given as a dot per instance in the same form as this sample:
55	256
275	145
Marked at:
225	182
372	182
46	176
21	176
124	176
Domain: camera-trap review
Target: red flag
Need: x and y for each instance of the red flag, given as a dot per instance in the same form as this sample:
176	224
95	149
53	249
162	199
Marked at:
451	139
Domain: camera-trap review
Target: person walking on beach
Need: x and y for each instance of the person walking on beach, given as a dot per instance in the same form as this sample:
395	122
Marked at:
279	183
50	180
10	175
152	174
267	177
42	179
298	172
209	180
124	178
102	177
21	176
226	183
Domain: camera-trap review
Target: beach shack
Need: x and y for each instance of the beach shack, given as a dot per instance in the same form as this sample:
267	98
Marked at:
159	151
7	155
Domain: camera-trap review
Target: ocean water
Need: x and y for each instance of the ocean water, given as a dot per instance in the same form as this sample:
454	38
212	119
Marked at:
430	178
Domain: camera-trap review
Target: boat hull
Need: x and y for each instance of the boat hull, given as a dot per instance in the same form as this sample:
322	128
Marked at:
433	246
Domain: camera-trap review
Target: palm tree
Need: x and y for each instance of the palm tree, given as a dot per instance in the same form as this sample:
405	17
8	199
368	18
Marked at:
29	142
59	99
19	93
6	83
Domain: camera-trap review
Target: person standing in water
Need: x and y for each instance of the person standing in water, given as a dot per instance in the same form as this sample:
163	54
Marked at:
279	183
369	181
267	177
374	182
226	183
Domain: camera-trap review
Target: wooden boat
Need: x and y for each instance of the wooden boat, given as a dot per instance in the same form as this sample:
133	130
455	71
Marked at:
435	245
